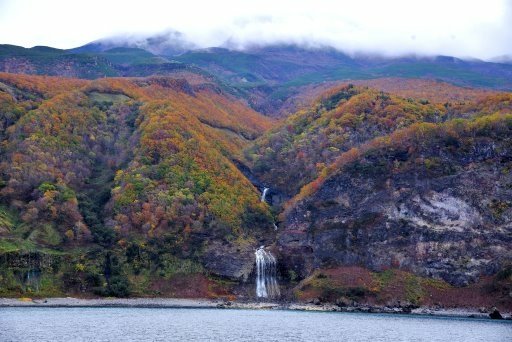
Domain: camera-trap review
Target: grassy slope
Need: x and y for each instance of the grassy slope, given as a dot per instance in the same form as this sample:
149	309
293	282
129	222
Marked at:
55	62
344	285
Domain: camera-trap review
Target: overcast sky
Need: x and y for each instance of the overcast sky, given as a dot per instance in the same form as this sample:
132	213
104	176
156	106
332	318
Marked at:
463	28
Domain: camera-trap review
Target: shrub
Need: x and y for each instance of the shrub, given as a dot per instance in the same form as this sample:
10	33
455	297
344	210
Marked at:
119	287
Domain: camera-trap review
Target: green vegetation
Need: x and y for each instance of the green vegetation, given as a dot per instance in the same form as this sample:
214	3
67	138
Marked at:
109	99
130	56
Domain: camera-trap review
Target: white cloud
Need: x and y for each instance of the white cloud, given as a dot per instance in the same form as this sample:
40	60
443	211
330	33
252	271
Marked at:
461	28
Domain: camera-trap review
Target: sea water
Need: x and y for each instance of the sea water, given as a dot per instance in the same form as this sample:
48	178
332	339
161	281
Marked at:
146	324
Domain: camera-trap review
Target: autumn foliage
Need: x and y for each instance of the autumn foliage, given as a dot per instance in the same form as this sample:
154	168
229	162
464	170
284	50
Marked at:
113	159
402	150
295	153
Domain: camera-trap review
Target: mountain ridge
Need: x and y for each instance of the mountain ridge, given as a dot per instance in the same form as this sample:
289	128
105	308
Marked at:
265	76
152	186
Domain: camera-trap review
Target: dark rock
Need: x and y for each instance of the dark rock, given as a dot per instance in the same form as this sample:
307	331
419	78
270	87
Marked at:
376	309
437	227
342	302
406	309
495	314
229	261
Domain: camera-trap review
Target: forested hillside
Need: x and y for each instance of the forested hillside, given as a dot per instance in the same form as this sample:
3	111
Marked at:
126	165
153	187
270	78
296	152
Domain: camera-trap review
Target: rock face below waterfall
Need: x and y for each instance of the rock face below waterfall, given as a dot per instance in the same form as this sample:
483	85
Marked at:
439	207
230	261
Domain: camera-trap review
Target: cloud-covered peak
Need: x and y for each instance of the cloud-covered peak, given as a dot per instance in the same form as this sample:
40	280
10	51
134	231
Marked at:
461	28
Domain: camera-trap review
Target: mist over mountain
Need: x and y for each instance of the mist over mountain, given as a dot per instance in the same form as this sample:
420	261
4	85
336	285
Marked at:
393	28
167	43
270	77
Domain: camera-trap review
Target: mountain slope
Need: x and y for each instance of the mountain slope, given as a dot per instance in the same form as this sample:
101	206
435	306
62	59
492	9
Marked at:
271	74
119	61
431	198
295	153
151	187
168	43
413	197
97	169
265	76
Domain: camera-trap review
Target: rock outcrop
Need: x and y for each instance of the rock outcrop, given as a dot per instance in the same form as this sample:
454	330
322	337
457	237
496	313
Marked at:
438	208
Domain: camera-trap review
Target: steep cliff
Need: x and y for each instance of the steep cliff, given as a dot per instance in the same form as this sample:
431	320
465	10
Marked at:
432	199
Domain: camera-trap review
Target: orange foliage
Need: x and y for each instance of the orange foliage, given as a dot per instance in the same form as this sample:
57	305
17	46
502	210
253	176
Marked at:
411	138
174	142
421	89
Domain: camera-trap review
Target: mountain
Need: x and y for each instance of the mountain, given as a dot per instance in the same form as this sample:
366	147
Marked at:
269	78
405	201
295	153
128	181
153	187
346	116
430	199
145	166
119	61
271	74
168	43
49	61
506	59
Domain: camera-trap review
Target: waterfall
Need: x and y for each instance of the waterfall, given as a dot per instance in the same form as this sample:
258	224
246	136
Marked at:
264	194
266	267
266	275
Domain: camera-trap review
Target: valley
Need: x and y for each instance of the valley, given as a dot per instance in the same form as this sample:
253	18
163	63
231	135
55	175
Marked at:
278	172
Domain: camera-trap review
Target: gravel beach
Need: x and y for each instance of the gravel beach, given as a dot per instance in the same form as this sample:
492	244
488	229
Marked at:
222	304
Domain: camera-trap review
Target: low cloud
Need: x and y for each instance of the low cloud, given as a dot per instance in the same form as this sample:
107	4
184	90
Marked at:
458	28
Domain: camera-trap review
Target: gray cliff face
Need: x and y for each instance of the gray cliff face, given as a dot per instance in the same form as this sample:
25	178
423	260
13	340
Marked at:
227	260
453	223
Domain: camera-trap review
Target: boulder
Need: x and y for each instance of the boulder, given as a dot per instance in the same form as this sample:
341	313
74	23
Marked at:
495	314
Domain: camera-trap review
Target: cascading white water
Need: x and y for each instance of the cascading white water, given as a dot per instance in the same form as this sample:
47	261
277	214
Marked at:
264	194
266	274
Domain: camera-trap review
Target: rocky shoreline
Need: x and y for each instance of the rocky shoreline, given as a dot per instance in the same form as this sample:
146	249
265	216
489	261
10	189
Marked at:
222	304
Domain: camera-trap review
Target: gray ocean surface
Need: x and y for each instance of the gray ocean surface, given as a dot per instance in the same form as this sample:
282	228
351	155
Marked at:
141	324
